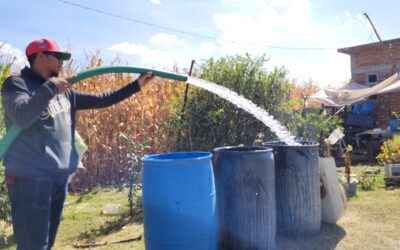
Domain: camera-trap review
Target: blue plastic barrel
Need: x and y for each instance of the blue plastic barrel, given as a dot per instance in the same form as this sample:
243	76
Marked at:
367	108
246	207
298	199
393	124
179	203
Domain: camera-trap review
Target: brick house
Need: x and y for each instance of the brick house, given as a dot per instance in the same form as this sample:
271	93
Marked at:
372	63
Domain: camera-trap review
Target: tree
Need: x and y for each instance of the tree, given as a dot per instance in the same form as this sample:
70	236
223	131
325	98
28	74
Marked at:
210	121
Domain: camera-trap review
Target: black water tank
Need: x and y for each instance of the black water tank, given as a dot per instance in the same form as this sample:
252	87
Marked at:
246	206
297	188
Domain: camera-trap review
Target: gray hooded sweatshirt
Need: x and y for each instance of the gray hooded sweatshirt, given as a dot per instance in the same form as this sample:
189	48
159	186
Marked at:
46	145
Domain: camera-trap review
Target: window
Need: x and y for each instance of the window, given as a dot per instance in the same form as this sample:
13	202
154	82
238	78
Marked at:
372	80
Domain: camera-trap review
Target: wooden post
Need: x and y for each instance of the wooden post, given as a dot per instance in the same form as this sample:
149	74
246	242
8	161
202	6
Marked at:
182	114
187	89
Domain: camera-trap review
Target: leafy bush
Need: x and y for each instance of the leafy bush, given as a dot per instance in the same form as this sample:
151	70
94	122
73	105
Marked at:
5	210
367	181
390	151
5	68
136	150
210	121
314	125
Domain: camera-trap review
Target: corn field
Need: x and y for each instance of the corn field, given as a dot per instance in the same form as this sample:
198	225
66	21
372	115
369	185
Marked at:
111	132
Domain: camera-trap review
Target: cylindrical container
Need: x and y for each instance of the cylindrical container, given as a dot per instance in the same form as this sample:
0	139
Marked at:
298	200
352	187
393	124
246	207
179	201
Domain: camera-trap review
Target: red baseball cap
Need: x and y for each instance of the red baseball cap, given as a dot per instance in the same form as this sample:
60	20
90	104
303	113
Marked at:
42	45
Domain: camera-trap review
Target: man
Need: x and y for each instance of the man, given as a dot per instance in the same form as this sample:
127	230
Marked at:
40	160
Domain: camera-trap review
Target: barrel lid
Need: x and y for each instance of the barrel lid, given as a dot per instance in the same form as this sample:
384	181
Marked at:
281	144
177	156
243	149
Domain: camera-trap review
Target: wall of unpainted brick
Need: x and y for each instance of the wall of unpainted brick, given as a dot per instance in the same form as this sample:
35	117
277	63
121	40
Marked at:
376	56
360	78
382	110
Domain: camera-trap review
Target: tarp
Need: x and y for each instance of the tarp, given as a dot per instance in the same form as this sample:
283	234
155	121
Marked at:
354	92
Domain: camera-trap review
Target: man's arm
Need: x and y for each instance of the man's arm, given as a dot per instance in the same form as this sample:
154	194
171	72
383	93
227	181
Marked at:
94	101
21	108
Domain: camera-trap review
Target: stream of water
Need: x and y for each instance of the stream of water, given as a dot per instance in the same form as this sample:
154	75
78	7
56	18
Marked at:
245	104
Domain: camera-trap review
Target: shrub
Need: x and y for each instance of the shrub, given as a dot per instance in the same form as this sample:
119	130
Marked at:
390	151
210	121
367	181
314	125
133	178
5	209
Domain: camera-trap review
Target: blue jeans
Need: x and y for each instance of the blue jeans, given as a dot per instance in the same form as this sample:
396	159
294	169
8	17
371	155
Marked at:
36	208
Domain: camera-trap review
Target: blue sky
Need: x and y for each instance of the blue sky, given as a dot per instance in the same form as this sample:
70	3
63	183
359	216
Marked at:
255	26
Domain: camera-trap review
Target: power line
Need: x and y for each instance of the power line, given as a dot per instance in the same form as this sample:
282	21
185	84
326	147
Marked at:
187	32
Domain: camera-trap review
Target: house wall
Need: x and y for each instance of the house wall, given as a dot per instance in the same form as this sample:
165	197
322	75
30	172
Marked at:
375	60
384	105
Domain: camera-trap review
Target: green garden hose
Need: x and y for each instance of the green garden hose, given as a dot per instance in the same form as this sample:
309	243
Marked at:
126	69
13	131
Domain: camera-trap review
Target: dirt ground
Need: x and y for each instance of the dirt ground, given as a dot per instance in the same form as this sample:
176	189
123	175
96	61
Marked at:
371	221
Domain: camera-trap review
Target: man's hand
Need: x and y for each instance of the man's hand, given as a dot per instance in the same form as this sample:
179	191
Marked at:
61	83
144	79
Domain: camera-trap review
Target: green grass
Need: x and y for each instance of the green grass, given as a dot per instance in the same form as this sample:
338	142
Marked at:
372	221
83	222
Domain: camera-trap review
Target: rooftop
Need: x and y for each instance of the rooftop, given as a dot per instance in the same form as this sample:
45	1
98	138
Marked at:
354	49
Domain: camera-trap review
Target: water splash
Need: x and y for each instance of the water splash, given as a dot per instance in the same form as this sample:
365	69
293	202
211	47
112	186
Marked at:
245	104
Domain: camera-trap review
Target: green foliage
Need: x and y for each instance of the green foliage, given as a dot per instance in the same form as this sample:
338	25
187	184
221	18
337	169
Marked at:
314	125
5	210
367	182
136	150
390	151
210	121
369	178
5	68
